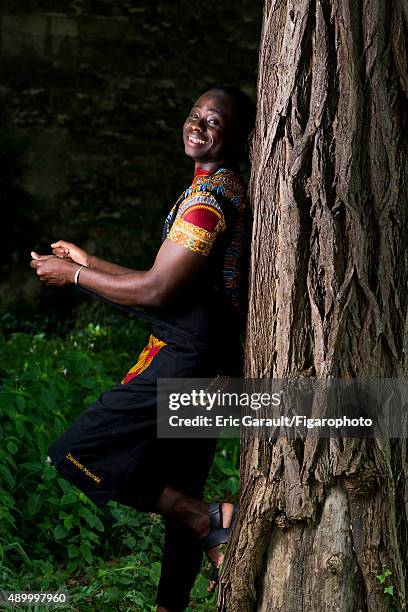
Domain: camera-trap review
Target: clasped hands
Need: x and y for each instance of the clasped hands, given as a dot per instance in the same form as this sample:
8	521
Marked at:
60	267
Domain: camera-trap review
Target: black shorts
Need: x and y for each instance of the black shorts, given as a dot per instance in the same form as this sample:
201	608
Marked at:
109	449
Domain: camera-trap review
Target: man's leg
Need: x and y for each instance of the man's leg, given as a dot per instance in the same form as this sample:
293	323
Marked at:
183	465
181	562
189	462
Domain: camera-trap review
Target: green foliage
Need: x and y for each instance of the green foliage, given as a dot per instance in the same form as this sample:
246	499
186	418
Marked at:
223	480
388	589
51	535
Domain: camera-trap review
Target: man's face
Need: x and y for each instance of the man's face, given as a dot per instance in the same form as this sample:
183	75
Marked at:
210	130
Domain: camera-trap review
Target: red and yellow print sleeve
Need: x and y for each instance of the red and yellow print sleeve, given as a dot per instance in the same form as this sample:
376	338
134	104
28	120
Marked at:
198	222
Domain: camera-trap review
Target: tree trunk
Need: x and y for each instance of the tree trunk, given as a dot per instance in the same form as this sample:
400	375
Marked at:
320	519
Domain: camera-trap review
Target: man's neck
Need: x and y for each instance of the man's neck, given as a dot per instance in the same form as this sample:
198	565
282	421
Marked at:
211	167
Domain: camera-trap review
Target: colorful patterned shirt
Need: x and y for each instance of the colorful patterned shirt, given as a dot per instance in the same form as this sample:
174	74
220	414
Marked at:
211	219
198	221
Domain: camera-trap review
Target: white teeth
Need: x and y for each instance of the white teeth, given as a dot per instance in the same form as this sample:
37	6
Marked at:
197	140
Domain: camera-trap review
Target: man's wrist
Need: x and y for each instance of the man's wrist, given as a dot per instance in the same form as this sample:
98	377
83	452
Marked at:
72	272
90	261
77	273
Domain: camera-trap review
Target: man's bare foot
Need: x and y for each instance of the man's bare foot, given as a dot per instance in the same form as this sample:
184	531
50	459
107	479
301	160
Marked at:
216	557
214	554
195	514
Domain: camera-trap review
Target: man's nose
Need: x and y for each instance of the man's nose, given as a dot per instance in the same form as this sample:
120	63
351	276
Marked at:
200	123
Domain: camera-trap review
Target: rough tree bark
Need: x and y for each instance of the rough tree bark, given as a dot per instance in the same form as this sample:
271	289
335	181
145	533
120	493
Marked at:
320	519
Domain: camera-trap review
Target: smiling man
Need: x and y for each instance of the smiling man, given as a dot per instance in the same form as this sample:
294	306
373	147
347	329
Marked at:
210	131
197	289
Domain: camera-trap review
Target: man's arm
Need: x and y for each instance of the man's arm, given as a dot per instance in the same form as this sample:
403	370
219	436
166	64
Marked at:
174	266
108	267
180	257
72	252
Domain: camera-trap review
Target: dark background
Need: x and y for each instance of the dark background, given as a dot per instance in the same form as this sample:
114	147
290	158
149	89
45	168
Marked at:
93	97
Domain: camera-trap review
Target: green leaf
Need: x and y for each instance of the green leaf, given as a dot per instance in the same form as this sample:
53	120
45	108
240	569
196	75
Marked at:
12	448
92	520
72	551
129	541
49	472
72	566
48	400
21	403
155	572
11	462
90	399
19	428
126	580
83	364
60	532
92	537
88	516
69	521
32	466
6	400
200	587
87	383
233	484
34	504
389	590
86	553
65	486
7	475
98	524
69	498
6	499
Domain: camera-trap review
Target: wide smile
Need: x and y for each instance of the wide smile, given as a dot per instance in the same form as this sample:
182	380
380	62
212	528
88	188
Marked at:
195	140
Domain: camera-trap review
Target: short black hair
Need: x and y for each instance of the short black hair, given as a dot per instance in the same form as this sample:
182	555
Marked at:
245	105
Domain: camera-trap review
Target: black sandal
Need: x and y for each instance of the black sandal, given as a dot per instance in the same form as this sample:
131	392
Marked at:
217	534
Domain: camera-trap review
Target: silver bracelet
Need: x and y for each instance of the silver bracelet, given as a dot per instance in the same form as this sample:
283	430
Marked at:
77	274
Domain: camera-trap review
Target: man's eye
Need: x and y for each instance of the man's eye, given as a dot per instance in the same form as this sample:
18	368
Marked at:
193	115
213	121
